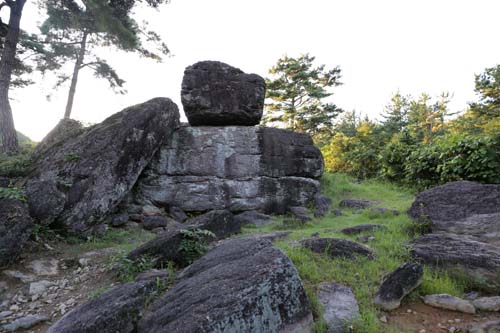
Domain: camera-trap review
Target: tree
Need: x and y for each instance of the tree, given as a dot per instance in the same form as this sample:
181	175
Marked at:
296	92
7	64
396	114
426	120
74	33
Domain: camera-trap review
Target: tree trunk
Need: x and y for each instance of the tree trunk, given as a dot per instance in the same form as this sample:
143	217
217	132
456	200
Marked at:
74	78
9	135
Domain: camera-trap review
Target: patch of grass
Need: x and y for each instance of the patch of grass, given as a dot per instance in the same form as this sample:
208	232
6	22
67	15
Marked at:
440	282
12	193
17	165
98	292
126	269
194	244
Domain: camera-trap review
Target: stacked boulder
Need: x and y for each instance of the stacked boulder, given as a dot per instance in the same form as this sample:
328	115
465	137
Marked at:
222	160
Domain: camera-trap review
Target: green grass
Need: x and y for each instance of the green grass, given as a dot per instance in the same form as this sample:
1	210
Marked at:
362	275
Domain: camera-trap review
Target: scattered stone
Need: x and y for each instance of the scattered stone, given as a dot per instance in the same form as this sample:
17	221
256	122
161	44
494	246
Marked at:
322	204
150	210
337	247
152	222
274	235
478	260
136	217
37	288
266	293
132	225
45	267
487	303
216	94
116	310
25	322
362	228
119	220
301	213
385	211
449	302
337	212
340	307
384	319
220	222
5	314
356	203
177	214
80	181
15	229
396	285
253	218
488	327
470	296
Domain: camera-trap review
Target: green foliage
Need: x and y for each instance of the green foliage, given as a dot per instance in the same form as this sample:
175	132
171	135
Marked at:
126	269
72	157
12	193
296	94
16	165
194	244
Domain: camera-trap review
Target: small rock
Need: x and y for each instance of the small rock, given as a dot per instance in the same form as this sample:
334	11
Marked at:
14	308
356	203
150	210
136	217
340	307
25	322
177	214
37	288
422	331
336	212
83	262
449	302
301	213
385	210
487	303
322	204
470	296
397	285
119	220
132	225
274	235
337	247
152	222
362	228
383	319
5	314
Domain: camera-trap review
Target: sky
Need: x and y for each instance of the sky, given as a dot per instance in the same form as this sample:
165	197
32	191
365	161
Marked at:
381	47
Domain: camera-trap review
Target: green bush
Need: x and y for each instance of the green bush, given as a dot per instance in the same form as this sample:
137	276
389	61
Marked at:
17	165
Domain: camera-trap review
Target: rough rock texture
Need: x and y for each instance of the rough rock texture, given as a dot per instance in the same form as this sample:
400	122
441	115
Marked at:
24	323
465	254
216	94
252	217
302	214
117	310
397	285
220	222
177	214
64	130
15	229
322	204
449	302
488	327
362	228
336	247
340	307
236	168
243	285
78	182
487	303
152	222
356	203
461	207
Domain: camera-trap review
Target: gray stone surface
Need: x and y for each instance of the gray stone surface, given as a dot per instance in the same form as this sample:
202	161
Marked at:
478	260
243	285
340	307
397	285
252	217
487	303
337	247
117	310
216	94
356	203
152	222
362	228
177	214
236	168
488	327
220	222
461	207
303	214
75	184
24	322
119	220
322	205
449	302
16	226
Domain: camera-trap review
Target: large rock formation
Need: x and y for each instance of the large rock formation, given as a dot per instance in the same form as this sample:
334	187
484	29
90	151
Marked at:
15	229
216	94
235	168
77	182
243	285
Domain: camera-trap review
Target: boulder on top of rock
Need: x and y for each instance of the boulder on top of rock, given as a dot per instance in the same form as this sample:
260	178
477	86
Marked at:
340	307
220	222
337	247
362	228
15	229
356	203
397	285
243	285
478	260
252	217
117	310
79	181
216	94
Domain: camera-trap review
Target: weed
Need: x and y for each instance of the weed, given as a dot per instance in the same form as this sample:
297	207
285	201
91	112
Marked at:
126	269
98	292
12	193
194	244
17	165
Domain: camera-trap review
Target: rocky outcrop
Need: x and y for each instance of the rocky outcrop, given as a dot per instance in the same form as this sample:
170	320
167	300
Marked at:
15	229
236	168
340	308
216	94
77	182
397	285
337	247
461	207
449	302
478	260
243	285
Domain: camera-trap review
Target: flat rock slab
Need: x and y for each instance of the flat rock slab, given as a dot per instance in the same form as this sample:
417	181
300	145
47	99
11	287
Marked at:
253	218
487	303
485	227
243	285
78	182
396	285
356	203
220	222
25	323
488	327
337	247
340	307
216	94
15	229
362	228
478	260
449	302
